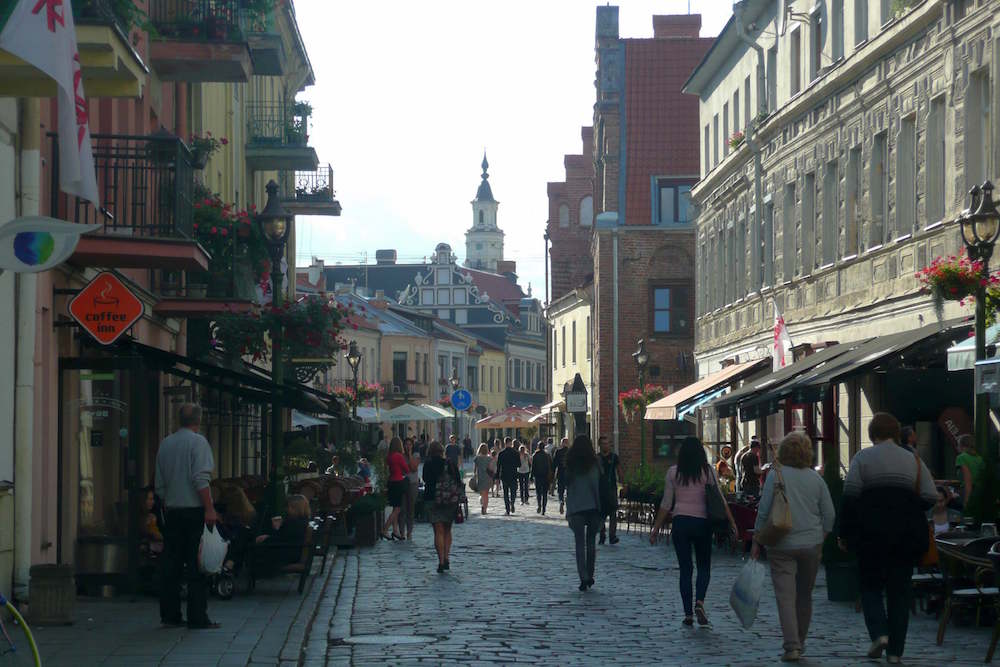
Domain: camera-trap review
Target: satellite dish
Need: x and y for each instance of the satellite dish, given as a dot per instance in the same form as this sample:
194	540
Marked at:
782	16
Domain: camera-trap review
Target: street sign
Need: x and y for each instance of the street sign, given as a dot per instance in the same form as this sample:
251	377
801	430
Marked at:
576	401
461	399
106	308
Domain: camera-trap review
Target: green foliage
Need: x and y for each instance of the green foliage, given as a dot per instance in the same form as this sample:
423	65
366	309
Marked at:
381	471
297	454
373	502
645	479
900	6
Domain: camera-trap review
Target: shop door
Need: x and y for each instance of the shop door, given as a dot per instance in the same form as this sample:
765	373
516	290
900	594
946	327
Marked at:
98	469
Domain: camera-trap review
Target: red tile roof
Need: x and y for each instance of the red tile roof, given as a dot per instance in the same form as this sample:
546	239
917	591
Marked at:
498	288
661	122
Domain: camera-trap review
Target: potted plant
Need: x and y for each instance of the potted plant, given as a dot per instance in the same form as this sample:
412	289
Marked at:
366	513
203	146
736	140
953	278
302	109
841	567
632	403
296	132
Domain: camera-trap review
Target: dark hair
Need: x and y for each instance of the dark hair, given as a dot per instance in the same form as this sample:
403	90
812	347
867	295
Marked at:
692	463
904	435
435	449
883	427
581	457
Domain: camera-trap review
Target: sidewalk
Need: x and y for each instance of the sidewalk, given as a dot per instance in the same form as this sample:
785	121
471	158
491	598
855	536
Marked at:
266	627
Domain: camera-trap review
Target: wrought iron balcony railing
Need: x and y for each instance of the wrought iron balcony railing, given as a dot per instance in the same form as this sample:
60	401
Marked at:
274	123
144	183
203	20
313	186
104	12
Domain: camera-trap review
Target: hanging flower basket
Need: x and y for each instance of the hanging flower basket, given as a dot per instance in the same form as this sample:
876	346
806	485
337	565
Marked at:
633	402
653	392
736	140
445	401
368	391
345	394
952	278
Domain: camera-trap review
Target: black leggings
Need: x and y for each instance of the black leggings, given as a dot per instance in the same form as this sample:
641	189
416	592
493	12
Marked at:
509	493
522	482
542	492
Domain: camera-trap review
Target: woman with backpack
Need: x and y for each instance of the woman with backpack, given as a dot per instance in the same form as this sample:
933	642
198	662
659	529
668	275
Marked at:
442	494
685	497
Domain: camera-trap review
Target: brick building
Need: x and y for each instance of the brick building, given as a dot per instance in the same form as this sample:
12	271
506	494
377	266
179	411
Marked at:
644	148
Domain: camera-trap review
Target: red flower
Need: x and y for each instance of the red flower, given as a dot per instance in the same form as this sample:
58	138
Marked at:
224	232
214	230
224	141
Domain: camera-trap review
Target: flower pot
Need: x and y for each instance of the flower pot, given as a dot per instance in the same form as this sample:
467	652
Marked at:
199	159
366	530
842	581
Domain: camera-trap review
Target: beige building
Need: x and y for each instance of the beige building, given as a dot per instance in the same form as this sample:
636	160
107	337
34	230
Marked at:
838	140
569	320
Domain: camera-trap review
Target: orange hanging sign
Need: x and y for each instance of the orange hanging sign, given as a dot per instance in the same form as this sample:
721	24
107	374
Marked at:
106	308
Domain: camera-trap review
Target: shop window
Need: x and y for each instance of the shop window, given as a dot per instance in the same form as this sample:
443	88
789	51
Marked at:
671	310
667	438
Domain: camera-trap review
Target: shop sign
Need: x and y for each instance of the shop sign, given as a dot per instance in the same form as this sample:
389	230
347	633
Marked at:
954	423
106	308
576	401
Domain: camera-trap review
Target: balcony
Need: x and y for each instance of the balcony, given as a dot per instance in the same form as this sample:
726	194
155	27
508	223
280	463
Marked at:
110	66
277	139
201	41
402	391
145	185
266	50
197	294
310	192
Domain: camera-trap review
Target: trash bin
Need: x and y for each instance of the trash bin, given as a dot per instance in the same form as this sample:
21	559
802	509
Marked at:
51	595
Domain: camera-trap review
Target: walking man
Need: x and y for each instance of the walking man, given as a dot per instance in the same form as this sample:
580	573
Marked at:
750	469
611	472
541	468
508	462
453	452
184	467
559	462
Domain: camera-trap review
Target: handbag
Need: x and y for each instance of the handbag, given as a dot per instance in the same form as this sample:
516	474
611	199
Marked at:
474	483
715	506
459	515
779	520
930	557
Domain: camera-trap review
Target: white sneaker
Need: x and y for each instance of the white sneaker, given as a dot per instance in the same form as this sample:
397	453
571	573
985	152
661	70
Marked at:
878	646
893	660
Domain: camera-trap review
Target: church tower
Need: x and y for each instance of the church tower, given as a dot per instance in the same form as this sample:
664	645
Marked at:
484	240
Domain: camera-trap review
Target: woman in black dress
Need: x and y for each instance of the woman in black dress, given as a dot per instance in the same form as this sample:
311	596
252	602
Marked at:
441	512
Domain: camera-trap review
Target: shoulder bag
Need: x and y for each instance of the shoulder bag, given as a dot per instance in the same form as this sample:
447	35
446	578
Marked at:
715	504
779	520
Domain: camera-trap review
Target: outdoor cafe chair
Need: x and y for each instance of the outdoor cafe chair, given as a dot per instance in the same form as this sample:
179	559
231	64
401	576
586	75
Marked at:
957	559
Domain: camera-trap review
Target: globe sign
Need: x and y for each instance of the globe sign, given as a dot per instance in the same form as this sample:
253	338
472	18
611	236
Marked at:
34	248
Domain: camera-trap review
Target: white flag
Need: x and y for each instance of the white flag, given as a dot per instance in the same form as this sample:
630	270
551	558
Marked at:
781	353
41	32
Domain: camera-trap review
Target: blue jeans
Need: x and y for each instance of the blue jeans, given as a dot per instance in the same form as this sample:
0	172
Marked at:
896	581
585	526
690	531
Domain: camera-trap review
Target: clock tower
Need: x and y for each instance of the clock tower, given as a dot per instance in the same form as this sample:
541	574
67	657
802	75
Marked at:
484	240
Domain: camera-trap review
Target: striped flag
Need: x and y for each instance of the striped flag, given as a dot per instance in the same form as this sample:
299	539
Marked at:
781	353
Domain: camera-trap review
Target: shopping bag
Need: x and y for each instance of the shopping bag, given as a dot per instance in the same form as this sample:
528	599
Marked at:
745	596
474	483
211	551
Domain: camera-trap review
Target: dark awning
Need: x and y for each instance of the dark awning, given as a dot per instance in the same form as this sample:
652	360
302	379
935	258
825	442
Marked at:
916	347
727	405
252	384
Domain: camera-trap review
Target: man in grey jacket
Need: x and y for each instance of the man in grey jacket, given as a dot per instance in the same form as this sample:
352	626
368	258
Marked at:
184	468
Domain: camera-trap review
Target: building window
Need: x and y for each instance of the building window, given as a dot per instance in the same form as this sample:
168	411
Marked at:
767	245
816	45
460	297
517	374
725	129
837	28
673	201
444	297
589	340
427	297
747	115
736	111
573	341
708	153
860	22
563	215
555	348
715	140
935	161
671	310
830	199
399	369
443	277
728	264
977	128
587	211
741	258
788	232
795	62
481	218
772	79
667	438
539	379
878	175
528	376
906	176
808	244
564	346
720	269
471	372
886	11
461	316
852	199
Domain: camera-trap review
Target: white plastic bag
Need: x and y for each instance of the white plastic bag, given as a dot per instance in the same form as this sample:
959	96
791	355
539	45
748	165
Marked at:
211	551
745	596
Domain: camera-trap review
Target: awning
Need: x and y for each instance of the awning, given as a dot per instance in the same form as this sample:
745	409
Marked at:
916	346
510	418
727	405
407	412
962	357
555	406
441	413
693	396
302	420
369	415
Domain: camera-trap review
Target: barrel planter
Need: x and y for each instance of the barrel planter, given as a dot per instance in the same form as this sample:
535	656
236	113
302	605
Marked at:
842	581
52	594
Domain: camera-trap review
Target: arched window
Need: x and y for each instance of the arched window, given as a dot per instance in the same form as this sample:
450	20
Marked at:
563	215
481	218
587	211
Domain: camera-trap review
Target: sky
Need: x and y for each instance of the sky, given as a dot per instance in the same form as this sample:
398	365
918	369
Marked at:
409	94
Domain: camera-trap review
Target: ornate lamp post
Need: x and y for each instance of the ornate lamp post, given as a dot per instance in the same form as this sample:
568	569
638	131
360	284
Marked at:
455	383
980	229
641	358
353	357
275	224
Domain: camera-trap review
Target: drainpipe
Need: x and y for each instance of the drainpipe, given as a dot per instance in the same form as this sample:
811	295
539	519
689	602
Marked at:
24	383
751	130
614	335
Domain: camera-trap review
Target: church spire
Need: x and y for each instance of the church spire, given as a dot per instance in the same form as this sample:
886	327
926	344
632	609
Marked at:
485	193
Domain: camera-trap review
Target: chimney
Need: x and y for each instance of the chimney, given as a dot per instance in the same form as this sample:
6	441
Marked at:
676	25
505	266
383	257
315	271
378	301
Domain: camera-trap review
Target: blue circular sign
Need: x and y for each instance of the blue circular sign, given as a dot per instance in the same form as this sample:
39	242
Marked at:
461	399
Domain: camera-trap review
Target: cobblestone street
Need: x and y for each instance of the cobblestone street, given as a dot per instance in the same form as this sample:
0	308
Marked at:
511	596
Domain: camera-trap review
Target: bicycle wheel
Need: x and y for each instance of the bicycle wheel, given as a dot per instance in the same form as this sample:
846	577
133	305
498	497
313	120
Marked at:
17	646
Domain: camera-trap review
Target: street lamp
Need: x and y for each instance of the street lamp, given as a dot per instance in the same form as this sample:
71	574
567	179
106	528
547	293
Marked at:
641	358
980	229
353	357
455	382
275	224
